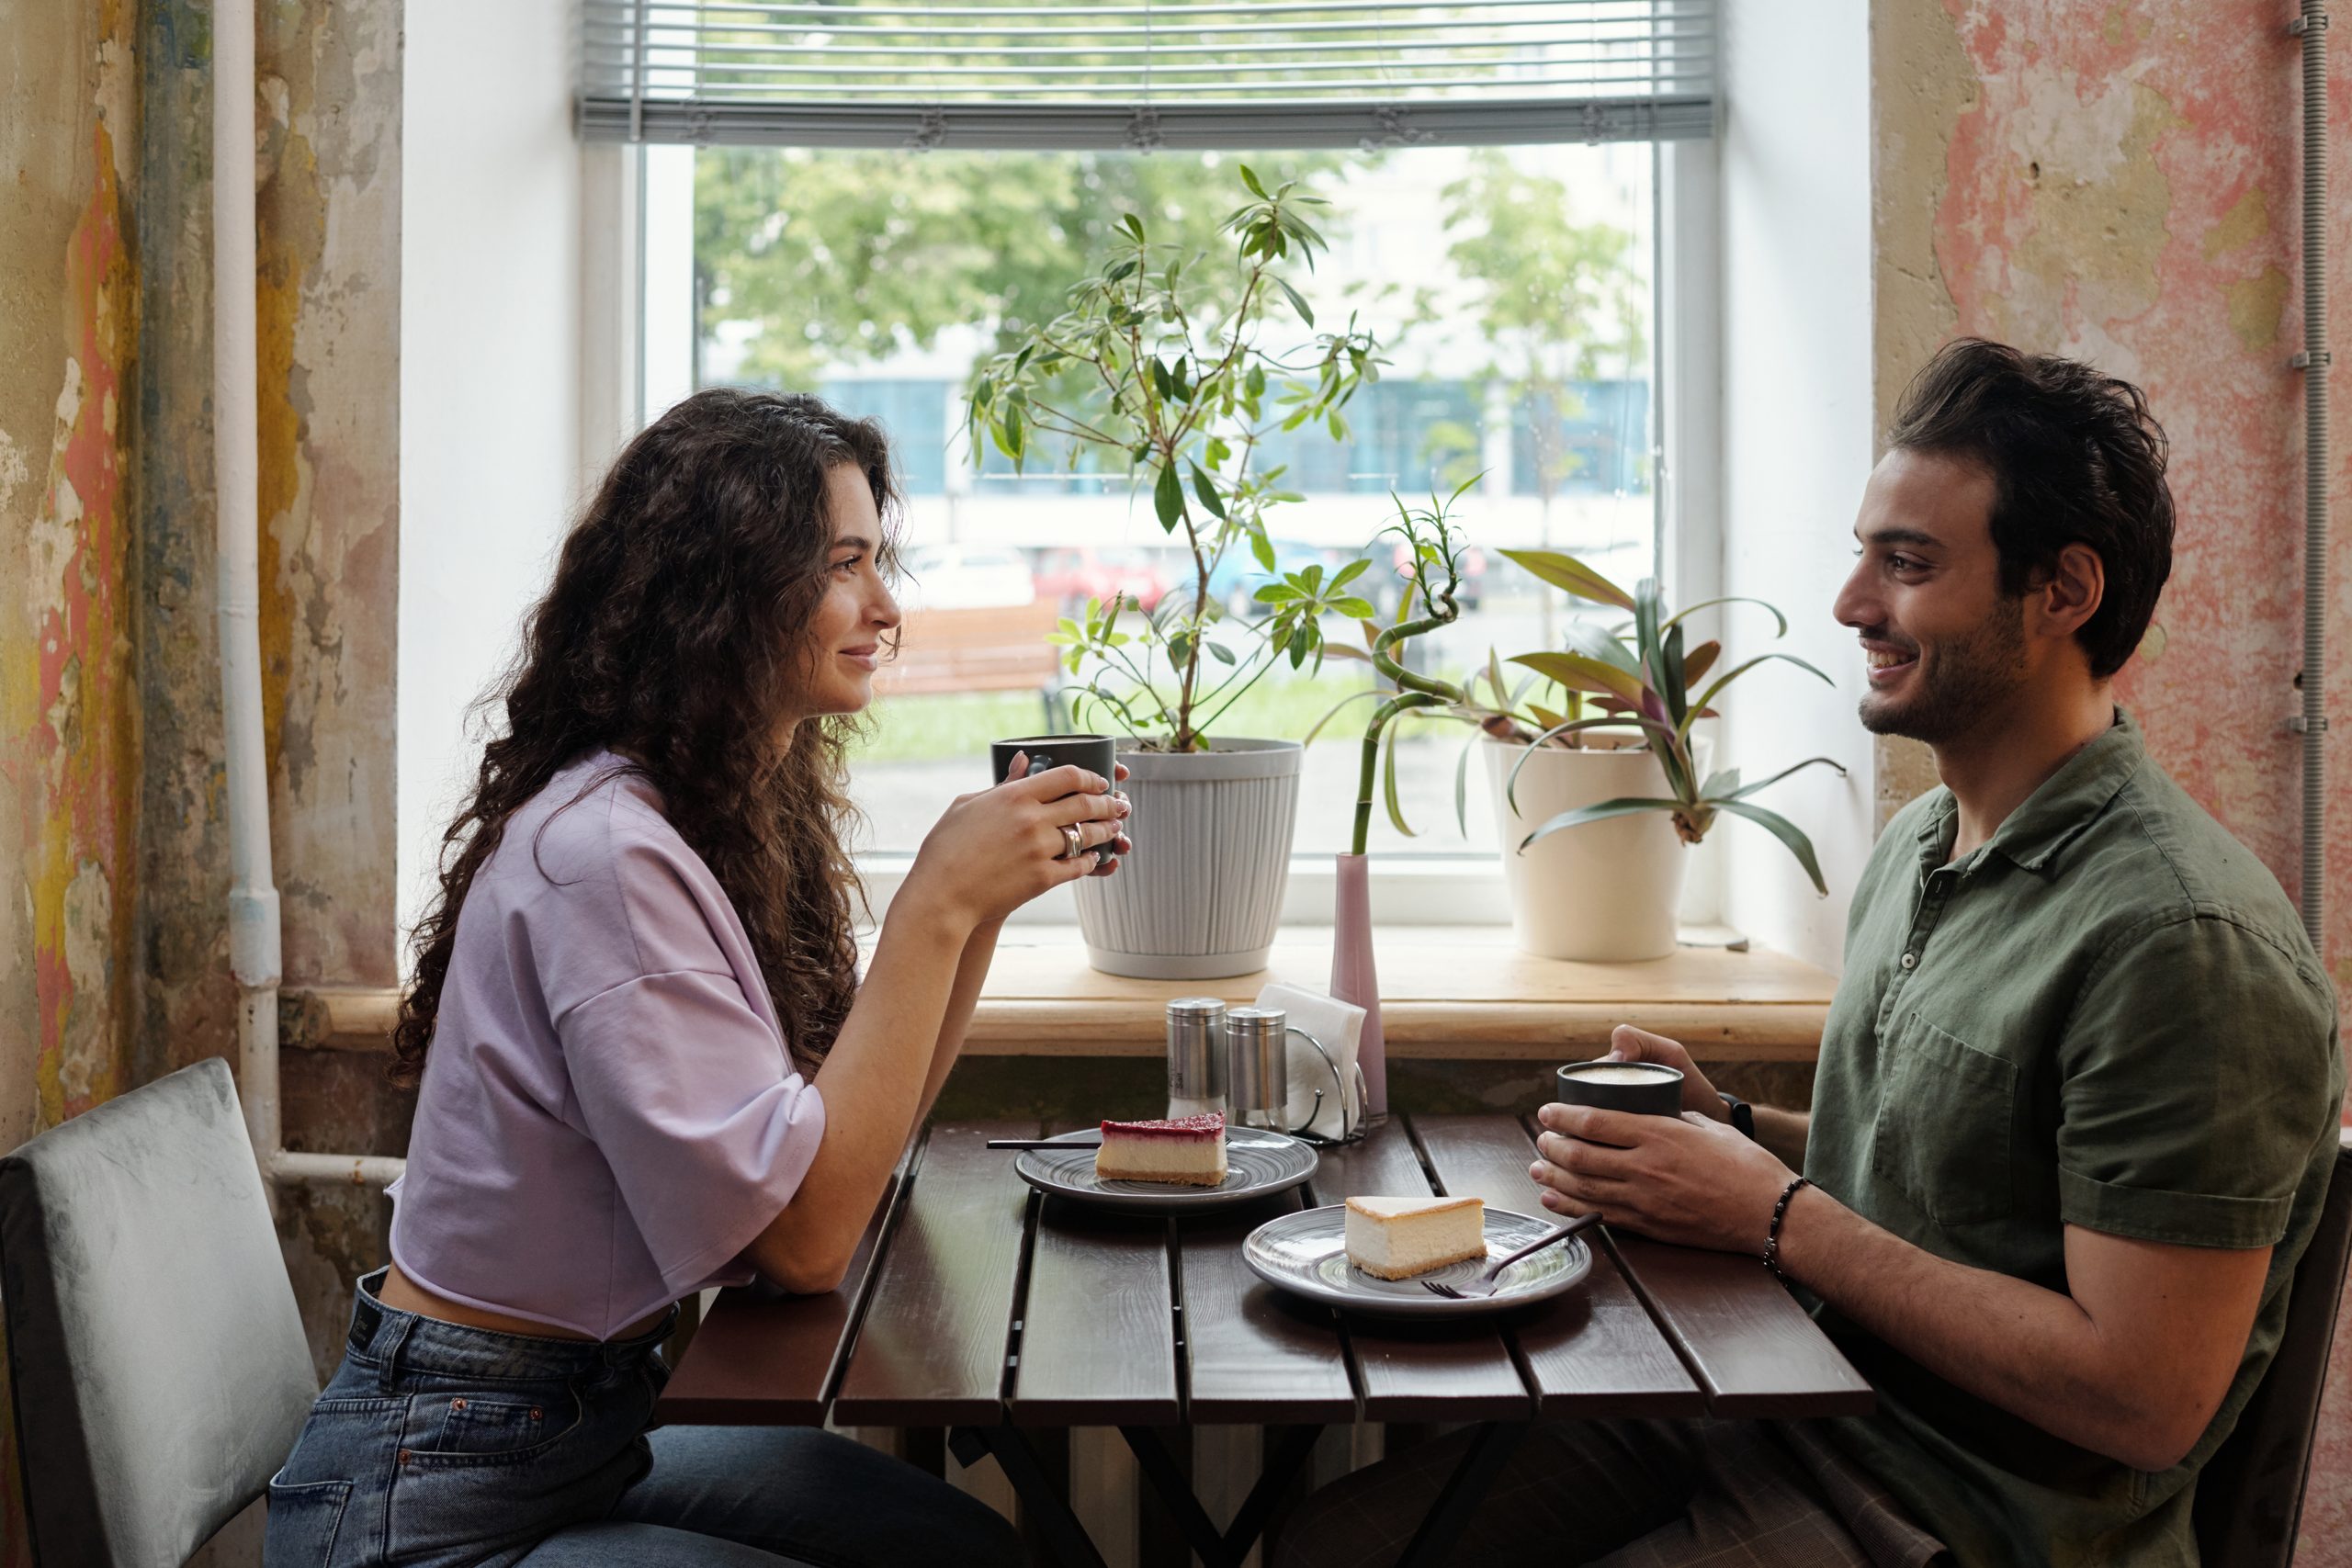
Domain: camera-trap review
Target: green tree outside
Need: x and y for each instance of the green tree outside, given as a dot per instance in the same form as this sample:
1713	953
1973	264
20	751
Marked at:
848	256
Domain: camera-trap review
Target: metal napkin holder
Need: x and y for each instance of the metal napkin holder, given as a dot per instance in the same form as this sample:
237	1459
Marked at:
1247	1030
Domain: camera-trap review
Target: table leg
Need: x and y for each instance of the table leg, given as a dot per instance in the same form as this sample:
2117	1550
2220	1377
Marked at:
1450	1515
1065	1538
1289	1456
1176	1494
1226	1550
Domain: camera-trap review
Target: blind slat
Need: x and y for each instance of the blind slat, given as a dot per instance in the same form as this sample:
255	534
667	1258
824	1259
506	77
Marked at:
830	13
1133	73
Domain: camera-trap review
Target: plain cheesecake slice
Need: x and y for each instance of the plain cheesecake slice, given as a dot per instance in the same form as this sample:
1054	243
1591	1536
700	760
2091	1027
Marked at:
1189	1149
1396	1238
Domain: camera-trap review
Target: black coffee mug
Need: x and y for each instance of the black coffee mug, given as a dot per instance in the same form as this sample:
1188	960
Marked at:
1648	1088
1097	754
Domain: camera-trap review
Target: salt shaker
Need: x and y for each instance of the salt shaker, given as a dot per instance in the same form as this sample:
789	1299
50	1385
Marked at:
1196	1057
1257	1044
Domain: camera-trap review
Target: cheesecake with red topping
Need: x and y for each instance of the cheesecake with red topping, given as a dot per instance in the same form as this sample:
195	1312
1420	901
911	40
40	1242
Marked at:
1189	1149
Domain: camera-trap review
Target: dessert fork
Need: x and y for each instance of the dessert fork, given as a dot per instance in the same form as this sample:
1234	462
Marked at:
1482	1284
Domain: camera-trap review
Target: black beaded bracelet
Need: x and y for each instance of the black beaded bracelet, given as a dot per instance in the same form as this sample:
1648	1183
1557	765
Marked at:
1772	1237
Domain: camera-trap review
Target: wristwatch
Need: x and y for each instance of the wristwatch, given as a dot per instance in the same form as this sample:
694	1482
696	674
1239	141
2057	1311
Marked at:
1743	1115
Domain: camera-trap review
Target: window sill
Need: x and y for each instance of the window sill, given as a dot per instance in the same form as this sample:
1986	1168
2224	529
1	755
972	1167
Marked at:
1459	992
1447	992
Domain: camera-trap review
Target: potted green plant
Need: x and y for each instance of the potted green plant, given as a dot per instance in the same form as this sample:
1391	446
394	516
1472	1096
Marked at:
1165	370
1600	737
1432	576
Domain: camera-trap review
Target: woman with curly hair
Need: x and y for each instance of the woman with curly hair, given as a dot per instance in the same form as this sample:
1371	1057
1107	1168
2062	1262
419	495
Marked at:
645	1061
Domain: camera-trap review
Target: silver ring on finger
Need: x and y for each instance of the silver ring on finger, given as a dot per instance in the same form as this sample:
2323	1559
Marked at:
1073	842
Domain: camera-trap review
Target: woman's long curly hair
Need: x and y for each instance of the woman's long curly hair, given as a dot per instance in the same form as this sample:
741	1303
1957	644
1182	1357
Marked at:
674	634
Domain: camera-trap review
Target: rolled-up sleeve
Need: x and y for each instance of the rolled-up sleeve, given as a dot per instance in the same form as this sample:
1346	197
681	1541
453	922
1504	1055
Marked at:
2195	1076
692	1100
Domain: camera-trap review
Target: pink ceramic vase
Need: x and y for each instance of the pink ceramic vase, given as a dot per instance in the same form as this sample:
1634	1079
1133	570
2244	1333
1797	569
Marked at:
1354	980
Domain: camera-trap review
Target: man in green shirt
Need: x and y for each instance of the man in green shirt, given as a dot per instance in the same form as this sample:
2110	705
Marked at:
2078	1095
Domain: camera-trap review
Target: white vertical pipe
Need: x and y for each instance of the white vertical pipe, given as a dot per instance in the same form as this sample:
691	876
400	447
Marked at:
253	956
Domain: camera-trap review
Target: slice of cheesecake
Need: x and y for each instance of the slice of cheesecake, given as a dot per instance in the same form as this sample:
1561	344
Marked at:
1396	1238
1189	1149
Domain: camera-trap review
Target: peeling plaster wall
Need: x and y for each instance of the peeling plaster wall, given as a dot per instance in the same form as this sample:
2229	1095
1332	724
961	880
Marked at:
328	104
2122	182
69	710
329	81
113	842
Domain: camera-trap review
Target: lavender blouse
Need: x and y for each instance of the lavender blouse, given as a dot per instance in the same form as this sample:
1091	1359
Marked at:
608	1116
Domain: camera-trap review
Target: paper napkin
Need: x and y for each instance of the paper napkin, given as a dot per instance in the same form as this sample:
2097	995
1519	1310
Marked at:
1335	1025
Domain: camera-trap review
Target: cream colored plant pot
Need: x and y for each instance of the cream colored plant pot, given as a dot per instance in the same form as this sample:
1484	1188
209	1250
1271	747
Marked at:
1605	892
1202	891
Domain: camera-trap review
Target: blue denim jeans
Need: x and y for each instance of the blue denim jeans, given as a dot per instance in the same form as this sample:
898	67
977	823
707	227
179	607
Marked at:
437	1446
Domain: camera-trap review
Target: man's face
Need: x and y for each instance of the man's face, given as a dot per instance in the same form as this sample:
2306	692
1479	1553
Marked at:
1947	649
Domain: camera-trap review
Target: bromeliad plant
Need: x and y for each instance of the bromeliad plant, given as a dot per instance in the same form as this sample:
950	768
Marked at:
1645	687
1643	676
1173	379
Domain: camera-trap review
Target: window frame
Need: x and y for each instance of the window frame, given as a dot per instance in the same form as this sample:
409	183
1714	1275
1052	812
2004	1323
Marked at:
1461	887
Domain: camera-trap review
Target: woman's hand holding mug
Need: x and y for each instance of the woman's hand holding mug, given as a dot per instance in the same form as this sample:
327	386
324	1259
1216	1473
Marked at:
994	850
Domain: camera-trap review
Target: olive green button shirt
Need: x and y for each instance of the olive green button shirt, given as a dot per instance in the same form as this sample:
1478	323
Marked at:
2106	1016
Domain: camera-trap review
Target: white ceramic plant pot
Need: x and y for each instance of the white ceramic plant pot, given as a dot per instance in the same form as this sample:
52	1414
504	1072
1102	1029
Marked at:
1605	892
1201	892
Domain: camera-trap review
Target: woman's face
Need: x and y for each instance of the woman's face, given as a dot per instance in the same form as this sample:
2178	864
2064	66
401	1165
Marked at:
846	634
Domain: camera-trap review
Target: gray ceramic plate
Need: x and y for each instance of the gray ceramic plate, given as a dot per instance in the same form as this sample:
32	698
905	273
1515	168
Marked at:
1256	1163
1307	1253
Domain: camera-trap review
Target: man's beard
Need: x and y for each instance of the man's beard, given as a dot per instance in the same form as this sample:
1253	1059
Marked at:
1960	684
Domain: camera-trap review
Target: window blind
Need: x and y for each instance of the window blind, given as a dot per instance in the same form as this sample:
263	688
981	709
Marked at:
1141	75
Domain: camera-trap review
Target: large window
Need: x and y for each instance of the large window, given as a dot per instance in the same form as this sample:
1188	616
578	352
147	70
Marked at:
1510	288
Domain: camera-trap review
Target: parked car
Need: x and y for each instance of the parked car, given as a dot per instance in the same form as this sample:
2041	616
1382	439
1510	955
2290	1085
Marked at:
1071	574
964	577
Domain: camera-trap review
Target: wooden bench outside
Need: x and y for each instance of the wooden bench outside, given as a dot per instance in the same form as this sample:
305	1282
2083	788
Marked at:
1000	647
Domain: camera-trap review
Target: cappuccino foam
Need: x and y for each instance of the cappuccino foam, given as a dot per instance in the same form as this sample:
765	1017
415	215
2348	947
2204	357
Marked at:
1621	1072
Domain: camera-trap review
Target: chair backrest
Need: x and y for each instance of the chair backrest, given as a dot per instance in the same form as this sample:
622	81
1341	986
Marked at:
2250	1494
158	1366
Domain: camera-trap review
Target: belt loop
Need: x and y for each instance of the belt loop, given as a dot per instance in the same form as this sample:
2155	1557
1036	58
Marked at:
388	1365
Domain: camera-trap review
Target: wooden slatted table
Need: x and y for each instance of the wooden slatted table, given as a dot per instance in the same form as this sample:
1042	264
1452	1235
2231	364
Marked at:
978	1307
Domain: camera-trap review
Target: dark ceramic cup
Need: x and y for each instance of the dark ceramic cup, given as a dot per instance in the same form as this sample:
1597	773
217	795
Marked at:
1097	754
1649	1088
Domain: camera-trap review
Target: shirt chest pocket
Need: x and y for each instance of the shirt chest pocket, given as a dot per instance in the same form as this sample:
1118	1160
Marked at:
1946	1119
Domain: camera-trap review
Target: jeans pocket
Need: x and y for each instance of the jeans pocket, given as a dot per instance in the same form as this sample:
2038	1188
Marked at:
476	1426
303	1522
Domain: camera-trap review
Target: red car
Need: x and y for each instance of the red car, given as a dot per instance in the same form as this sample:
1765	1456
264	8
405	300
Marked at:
1071	574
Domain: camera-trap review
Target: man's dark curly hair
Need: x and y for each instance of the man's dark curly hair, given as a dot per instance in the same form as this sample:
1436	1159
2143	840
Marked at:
2075	458
675	634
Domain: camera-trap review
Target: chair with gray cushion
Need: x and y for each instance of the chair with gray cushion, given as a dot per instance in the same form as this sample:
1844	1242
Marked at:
2250	1494
158	1367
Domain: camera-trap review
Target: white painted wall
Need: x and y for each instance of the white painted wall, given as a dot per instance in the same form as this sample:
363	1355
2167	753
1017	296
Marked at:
490	370
669	309
1797	441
